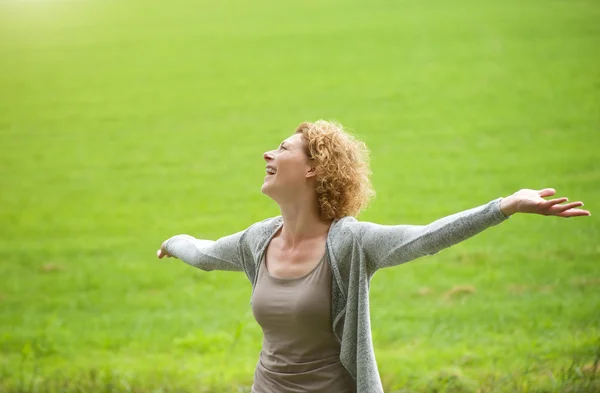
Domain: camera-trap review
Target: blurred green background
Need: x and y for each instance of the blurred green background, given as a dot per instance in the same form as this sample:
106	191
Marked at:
124	123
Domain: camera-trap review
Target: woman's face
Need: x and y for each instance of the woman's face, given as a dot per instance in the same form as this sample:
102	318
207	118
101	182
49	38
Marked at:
288	169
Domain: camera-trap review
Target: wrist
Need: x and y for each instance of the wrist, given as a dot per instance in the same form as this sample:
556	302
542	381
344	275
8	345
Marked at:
508	206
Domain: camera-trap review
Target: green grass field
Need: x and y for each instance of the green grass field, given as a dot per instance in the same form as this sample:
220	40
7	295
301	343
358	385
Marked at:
124	123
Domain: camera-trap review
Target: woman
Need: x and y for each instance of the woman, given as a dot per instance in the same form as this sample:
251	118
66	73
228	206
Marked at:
310	267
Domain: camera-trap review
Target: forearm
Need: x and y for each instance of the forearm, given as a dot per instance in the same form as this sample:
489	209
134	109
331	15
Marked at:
222	254
187	248
458	227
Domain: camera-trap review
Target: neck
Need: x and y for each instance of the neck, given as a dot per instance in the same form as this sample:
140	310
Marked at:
302	221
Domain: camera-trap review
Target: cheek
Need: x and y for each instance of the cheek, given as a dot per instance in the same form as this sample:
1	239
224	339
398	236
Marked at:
291	171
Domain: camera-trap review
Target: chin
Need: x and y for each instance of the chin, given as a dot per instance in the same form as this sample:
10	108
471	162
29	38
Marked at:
264	189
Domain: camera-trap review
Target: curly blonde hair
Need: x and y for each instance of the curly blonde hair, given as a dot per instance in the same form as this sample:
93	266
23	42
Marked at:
342	164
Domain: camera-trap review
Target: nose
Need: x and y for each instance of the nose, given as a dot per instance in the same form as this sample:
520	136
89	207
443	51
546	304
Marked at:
268	156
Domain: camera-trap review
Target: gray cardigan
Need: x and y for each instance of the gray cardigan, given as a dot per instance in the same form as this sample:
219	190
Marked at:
356	251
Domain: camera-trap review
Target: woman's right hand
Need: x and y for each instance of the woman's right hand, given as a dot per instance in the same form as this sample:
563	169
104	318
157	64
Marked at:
162	252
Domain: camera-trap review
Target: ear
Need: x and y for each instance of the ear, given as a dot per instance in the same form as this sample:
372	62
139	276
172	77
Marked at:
311	172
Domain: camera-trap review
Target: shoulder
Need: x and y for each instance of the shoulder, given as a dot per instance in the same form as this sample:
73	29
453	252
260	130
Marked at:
265	227
344	231
259	233
346	226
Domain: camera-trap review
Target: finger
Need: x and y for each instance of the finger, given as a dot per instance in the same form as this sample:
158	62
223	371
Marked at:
546	192
548	204
159	254
574	213
565	207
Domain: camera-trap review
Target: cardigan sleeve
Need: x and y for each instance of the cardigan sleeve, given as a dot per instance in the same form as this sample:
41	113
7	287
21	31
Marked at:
222	254
391	245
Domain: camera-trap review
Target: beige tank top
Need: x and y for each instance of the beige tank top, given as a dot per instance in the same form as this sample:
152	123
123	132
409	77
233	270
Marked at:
300	353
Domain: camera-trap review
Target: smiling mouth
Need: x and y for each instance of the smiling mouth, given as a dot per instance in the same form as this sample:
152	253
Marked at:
271	171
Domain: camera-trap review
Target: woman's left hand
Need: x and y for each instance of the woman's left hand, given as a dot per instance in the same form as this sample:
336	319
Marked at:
532	201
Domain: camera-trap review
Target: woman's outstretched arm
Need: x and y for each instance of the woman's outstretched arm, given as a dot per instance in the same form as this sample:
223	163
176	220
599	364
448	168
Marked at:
222	254
392	245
